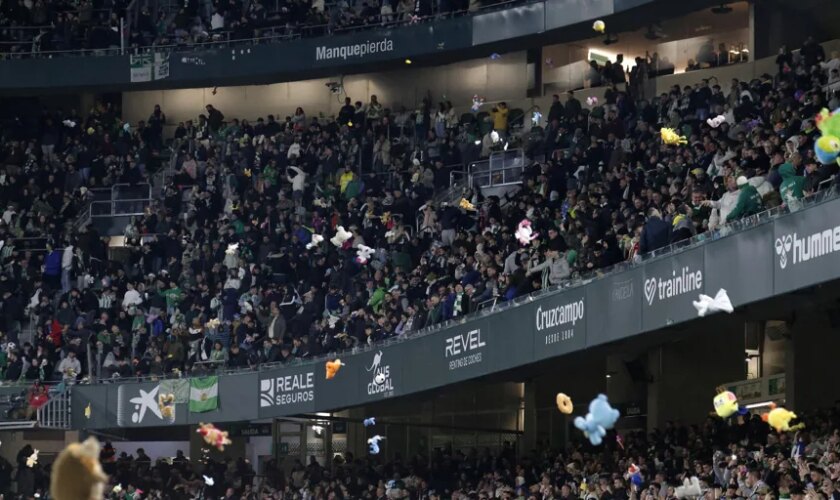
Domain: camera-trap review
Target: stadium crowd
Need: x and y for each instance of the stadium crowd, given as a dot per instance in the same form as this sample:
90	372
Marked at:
738	459
45	26
226	270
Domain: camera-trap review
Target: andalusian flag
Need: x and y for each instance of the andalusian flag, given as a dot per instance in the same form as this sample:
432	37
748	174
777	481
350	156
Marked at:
204	394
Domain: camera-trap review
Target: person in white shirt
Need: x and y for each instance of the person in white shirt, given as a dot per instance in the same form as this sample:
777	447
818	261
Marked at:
131	298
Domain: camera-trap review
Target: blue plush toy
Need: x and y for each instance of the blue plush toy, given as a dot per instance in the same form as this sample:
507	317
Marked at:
600	418
373	444
369	421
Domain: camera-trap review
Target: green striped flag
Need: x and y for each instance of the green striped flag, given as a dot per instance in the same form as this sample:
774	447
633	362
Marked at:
204	394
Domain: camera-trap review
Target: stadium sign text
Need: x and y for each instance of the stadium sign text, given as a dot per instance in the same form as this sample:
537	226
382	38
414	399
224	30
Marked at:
469	343
808	247
291	389
324	53
563	317
686	281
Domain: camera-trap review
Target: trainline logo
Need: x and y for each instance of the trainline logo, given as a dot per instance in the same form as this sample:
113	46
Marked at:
677	284
808	247
324	53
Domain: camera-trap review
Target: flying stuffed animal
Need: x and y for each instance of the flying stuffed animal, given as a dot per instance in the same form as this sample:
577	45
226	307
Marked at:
166	405
32	459
524	233
333	367
779	419
77	473
599	420
564	404
214	436
670	137
716	121
592	101
477	102
340	236
726	404
363	254
599	26
634	474
373	444
827	147
690	488
316	240
232	249
720	303
369	421
466	205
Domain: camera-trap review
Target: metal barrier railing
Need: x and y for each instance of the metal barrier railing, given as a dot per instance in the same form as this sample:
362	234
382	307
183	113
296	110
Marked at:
503	168
55	414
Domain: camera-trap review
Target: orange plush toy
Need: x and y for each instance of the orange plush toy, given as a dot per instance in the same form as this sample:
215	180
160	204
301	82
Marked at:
333	367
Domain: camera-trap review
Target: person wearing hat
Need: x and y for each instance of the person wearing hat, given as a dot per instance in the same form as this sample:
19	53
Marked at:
749	201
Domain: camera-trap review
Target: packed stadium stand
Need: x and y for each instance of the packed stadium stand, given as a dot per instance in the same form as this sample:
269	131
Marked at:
153	252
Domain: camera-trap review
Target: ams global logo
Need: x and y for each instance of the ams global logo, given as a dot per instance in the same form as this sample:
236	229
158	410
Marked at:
381	381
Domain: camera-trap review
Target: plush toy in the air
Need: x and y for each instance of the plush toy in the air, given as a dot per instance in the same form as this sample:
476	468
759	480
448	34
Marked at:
77	473
564	404
598	421
827	147
363	254
477	102
708	304
368	422
32	459
466	205
670	137
726	404
599	26
779	419
373	444
592	101
690	488
634	474
716	121
524	233
333	367
214	436
232	249
316	240
340	236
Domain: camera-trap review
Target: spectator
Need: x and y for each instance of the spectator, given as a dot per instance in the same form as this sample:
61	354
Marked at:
749	201
656	233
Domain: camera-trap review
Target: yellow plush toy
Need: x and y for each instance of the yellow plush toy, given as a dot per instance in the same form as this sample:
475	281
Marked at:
726	403
670	137
77	473
779	419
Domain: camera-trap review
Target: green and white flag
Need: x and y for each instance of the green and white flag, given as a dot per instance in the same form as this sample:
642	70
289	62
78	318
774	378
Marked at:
204	394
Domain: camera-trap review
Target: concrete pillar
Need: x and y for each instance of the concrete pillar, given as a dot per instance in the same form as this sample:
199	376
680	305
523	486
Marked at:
810	357
356	433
